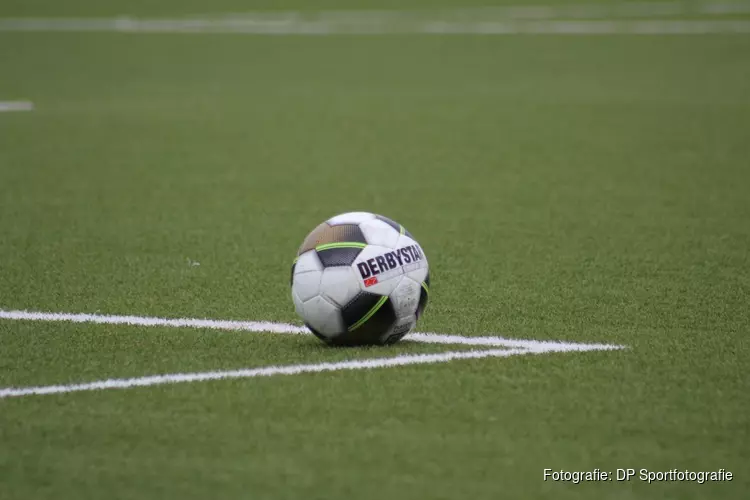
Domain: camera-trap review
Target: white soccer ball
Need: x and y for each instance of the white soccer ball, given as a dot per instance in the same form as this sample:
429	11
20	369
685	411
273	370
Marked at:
360	279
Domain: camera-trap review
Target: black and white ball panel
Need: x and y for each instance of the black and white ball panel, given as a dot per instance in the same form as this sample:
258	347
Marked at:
306	273
341	256
423	296
307	262
405	297
371	331
323	315
350	218
372	263
395	225
326	233
339	285
377	232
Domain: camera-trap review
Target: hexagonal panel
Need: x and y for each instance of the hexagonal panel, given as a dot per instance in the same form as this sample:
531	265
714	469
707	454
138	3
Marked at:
420	273
306	285
415	269
350	218
405	298
377	272
308	261
377	232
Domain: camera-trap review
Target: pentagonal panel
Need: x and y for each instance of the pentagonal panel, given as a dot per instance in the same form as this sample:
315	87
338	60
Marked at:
368	317
308	261
334	255
405	298
323	316
401	327
325	234
378	232
359	307
306	285
424	295
350	218
340	285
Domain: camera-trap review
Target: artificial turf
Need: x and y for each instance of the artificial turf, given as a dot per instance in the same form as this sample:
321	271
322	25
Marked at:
587	189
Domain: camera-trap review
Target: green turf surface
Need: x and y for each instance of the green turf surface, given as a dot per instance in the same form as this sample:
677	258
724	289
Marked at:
588	189
37	354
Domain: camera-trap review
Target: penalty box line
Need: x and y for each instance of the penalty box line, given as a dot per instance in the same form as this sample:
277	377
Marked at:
287	328
492	343
176	378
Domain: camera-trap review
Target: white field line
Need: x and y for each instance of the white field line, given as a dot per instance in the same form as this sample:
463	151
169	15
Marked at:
606	10
634	18
249	326
539	346
392	24
610	10
510	348
408	21
286	328
175	378
7	106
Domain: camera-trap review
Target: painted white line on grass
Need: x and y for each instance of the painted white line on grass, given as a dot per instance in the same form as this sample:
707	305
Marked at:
607	10
494	341
286	328
175	378
509	19
614	10
248	326
428	26
7	106
512	347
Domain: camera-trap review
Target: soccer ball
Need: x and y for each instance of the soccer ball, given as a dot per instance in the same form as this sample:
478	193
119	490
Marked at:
360	279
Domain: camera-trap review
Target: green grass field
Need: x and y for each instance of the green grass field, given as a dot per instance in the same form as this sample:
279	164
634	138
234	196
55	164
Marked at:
572	188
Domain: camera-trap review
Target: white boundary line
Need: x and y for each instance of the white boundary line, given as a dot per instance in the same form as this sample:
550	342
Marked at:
249	326
605	10
509	348
286	328
610	18
489	20
421	27
176	378
8	106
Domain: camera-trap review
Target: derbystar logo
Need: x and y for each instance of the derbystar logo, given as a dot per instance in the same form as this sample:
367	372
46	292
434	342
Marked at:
377	266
